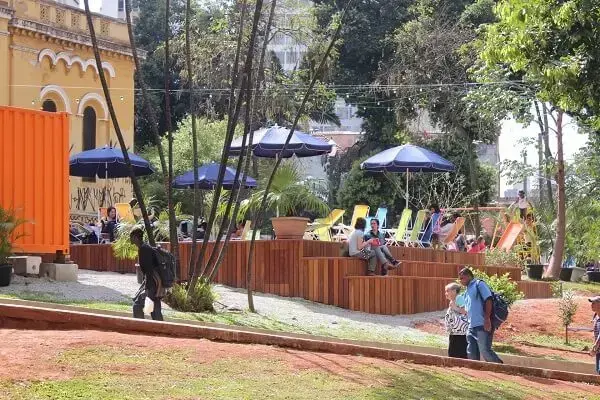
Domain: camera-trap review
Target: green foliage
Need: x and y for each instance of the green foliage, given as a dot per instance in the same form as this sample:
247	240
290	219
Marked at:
200	299
502	285
499	257
289	195
567	307
9	224
373	189
553	45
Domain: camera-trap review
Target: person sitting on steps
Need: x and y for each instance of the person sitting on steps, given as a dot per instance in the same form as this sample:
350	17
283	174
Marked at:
383	254
360	248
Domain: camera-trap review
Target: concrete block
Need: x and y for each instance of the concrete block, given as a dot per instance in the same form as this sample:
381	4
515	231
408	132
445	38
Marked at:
59	272
26	265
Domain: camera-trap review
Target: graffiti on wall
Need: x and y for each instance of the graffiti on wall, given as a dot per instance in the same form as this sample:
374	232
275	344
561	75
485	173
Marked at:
90	199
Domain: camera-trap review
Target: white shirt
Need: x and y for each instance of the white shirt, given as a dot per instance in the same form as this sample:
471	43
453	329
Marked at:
523	203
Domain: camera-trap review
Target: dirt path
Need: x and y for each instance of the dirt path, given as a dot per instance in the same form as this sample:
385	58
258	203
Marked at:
29	355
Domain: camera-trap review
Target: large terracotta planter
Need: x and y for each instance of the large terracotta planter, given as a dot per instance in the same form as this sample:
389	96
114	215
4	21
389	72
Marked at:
289	227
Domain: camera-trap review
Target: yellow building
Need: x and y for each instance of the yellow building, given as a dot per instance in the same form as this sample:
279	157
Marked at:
47	62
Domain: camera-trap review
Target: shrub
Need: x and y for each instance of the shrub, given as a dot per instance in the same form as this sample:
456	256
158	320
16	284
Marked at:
200	299
501	257
502	285
567	309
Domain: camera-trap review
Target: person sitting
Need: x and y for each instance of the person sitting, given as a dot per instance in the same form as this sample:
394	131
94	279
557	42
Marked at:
460	242
238	231
478	246
383	254
109	225
360	248
447	227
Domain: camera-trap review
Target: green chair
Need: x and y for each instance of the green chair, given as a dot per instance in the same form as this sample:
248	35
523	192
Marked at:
399	234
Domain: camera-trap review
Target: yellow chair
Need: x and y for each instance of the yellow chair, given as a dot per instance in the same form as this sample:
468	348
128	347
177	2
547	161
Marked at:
399	234
360	211
320	229
124	212
418	226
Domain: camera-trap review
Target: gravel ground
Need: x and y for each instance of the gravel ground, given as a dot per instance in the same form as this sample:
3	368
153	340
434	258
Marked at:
113	287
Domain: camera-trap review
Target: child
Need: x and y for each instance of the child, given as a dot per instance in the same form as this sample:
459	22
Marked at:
596	324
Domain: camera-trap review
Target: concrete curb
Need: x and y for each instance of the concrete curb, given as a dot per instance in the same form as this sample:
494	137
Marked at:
48	318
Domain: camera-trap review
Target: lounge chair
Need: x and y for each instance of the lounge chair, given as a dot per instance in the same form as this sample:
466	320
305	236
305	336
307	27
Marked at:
458	224
417	227
343	231
321	228
124	212
399	235
380	215
425	240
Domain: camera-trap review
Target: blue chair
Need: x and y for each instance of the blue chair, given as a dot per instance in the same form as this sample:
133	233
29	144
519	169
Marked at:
425	240
381	215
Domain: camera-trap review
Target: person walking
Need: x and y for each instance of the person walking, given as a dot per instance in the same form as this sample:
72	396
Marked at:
457	324
478	304
383	254
151	285
595	351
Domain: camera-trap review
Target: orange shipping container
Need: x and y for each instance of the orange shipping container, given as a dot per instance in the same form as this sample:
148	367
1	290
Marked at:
34	176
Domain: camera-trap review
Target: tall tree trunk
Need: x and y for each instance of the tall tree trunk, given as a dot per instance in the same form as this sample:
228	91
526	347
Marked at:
540	145
249	130
192	111
262	208
147	105
548	155
169	127
113	116
559	243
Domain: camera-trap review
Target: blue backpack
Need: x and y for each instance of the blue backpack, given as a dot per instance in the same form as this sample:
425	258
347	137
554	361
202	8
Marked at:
499	307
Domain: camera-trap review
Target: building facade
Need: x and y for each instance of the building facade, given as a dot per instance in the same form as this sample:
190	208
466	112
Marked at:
47	63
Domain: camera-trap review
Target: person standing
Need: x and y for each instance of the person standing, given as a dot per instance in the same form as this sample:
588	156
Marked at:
361	248
479	307
596	327
456	322
383	254
151	285
523	204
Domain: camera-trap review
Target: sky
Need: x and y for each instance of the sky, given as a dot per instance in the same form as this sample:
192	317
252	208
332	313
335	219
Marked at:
510	148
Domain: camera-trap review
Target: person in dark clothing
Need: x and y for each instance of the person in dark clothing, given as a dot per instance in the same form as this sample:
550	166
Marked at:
109	226
151	286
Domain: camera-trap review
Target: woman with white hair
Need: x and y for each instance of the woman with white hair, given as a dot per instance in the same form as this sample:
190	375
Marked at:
456	322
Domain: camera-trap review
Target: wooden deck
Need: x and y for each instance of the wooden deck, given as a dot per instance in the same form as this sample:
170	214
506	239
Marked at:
314	271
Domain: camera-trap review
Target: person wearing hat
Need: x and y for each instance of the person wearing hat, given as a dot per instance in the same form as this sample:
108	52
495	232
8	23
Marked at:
596	322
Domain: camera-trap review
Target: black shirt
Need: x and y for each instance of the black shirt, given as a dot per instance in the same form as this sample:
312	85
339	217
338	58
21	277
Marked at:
147	260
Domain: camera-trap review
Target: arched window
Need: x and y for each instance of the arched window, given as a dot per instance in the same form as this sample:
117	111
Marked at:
49	105
89	132
89	129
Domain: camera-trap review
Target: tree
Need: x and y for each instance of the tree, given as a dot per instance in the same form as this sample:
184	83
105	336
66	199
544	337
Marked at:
553	47
432	61
567	308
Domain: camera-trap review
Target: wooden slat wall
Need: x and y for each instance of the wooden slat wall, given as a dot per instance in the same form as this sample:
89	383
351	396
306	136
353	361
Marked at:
316	248
99	257
396	294
323	278
535	290
446	270
439	256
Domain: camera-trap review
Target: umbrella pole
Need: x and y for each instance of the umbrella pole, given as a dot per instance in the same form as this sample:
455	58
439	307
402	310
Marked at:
406	195
105	183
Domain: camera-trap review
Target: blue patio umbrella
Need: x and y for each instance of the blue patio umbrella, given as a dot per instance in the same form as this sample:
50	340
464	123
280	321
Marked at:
207	178
106	162
407	158
269	143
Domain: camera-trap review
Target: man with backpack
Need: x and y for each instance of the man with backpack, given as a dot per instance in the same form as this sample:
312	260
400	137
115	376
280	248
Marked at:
479	304
152	286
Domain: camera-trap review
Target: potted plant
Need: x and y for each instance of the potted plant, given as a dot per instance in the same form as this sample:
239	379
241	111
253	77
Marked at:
287	199
8	226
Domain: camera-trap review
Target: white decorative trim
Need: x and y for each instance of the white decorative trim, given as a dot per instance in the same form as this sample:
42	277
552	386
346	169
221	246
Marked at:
24	49
60	92
92	96
70	59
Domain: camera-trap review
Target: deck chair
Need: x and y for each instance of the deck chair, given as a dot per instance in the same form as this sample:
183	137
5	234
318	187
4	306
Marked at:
245	231
124	212
380	215
399	234
425	240
417	226
360	211
458	224
321	228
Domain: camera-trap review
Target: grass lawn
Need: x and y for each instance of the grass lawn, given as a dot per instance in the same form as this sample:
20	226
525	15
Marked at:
124	373
251	320
583	288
